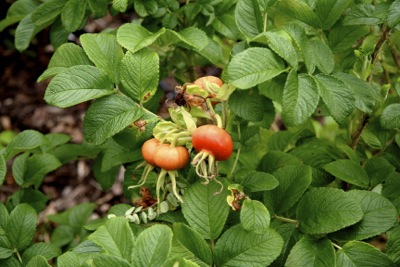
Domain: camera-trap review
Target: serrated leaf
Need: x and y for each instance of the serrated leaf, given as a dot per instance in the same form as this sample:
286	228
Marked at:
193	242
58	35
67	55
337	96
299	10
78	84
226	26
17	11
393	244
348	171
38	261
362	14
254	216
35	198
10	262
110	261
108	116
281	43
300	98
47	11
116	238
120	5
330	11
206	212
193	37
37	167
104	51
73	14
293	182
238	247
379	216
274	160
365	95
322	55
25	31
19	167
3	169
57	139
249	104
248	17
4	215
140	74
153	246
21	226
257	181
99	8
378	169
393	17
213	52
62	235
253	66
359	254
291	236
343	37
135	37
47	251
390	118
25	141
326	210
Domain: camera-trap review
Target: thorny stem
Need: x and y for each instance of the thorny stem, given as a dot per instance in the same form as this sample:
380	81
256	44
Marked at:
356	136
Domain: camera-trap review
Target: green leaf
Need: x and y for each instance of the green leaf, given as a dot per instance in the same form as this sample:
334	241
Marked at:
116	238
57	139
47	251
293	182
153	246
21	226
17	11
291	236
25	31
213	52
256	181
75	217
281	43
253	66
365	95
108	116
34	198
330	11
378	169
337	96
99	8
58	35
120	5
67	55
46	12
5	252
326	210
205	211
25	141
393	17
10	262
379	216
4	216
62	235
238	247
78	84
343	37
38	261
3	169
110	261
299	10
37	166
310	253
248	17
226	26
300	98
104	51
322	55
73	14
348	171
393	244
135	37
362	14
274	160
250	105
359	254
193	242
254	216
140	74
390	118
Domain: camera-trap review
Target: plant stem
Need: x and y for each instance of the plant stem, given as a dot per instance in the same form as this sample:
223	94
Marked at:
378	48
336	246
284	219
356	136
237	155
18	255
